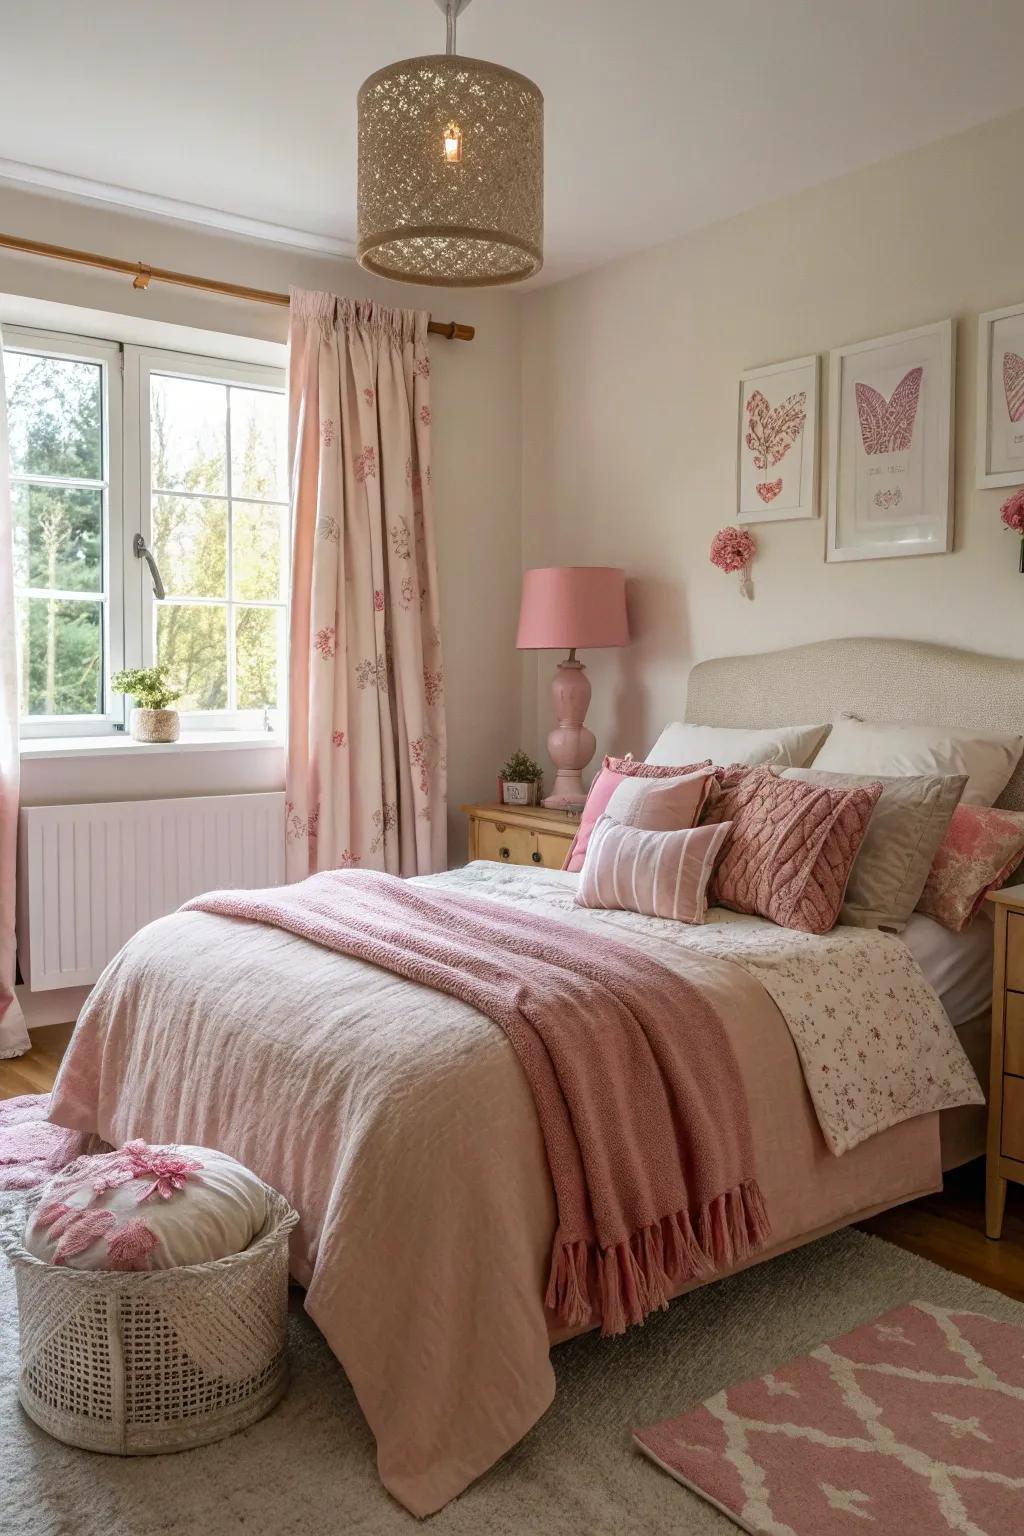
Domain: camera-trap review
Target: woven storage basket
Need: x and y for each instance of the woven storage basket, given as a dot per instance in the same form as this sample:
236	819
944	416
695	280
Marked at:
144	1362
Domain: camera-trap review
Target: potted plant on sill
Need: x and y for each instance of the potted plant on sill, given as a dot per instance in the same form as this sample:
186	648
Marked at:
520	780
151	719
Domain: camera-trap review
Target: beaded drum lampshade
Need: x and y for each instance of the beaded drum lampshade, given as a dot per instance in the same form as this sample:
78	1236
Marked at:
451	170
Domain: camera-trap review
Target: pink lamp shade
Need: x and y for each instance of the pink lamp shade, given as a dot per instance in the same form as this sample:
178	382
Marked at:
573	607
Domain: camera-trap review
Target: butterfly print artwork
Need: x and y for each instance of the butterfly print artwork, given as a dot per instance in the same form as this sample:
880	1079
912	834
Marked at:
771	432
1013	385
887	426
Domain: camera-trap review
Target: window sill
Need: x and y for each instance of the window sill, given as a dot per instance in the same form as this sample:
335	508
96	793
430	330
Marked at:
118	745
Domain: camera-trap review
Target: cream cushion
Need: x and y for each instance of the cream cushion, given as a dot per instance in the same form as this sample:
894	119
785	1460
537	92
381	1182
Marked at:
785	746
218	1210
906	828
864	747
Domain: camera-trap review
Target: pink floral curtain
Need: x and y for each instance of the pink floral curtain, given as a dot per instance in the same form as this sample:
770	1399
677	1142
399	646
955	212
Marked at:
13	1034
366	750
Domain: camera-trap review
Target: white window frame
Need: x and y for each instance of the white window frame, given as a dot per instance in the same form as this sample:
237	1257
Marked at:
140	363
108	354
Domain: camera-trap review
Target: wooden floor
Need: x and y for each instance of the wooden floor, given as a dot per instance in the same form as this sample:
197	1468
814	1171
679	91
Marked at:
948	1228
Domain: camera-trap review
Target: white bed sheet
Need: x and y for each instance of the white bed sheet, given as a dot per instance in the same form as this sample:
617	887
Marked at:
957	965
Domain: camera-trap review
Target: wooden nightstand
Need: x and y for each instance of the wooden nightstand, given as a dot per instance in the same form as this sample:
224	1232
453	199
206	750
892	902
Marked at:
1006	1095
520	834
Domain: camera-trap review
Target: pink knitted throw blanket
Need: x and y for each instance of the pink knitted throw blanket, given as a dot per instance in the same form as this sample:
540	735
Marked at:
642	1110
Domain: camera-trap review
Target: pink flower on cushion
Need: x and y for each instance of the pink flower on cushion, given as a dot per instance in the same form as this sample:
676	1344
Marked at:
732	549
169	1170
1012	512
80	1234
55	1216
131	1245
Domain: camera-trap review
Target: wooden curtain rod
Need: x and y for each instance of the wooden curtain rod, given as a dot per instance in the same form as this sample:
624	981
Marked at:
143	274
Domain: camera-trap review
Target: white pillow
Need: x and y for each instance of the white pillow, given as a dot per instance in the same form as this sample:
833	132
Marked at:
896	751
784	746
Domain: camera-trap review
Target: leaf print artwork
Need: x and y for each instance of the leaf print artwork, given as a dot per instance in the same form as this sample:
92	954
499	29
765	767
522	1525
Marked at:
887	426
884	500
772	431
1013	385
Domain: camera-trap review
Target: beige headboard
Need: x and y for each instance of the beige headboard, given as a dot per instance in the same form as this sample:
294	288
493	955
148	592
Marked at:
876	679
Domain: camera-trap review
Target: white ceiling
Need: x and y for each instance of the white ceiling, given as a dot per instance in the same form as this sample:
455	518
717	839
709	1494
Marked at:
661	115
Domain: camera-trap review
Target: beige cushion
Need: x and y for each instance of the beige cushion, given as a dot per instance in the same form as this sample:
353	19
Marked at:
785	746
863	747
903	836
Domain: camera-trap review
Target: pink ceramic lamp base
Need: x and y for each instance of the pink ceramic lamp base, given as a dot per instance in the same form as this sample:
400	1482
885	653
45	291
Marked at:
570	744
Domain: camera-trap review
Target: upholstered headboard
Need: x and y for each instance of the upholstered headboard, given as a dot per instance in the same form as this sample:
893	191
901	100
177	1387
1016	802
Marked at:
876	679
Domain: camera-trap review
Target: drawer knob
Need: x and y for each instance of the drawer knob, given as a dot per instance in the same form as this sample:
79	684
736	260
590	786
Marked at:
506	853
535	857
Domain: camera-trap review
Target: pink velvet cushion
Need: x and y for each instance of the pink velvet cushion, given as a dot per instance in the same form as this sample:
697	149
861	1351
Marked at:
662	874
791	848
981	848
614	771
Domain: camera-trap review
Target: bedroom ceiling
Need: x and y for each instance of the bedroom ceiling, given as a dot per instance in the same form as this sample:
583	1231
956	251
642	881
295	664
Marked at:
662	115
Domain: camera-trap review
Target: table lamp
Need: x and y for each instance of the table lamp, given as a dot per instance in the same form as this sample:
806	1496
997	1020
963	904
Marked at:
572	607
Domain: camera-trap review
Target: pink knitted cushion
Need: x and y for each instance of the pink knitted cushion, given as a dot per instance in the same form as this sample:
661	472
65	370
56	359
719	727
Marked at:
980	849
662	874
791	848
614	770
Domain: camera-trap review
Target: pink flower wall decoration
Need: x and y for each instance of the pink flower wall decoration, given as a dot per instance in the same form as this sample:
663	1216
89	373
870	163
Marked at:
1012	514
732	550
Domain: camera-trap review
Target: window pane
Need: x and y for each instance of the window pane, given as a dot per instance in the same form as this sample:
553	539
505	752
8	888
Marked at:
188	435
190	538
192	641
54	414
258	445
257	645
259	559
61	656
58	538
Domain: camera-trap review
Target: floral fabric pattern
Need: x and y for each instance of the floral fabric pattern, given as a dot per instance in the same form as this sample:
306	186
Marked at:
875	1044
981	849
365	652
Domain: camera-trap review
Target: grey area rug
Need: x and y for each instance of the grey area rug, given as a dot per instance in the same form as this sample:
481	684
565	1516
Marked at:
310	1466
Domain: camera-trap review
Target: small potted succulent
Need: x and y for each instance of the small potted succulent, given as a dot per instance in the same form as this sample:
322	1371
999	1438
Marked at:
520	780
151	719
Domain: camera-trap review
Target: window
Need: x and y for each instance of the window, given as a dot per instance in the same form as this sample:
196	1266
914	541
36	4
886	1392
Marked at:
107	443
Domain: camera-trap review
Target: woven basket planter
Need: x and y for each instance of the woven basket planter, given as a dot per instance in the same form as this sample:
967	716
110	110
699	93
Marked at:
140	1363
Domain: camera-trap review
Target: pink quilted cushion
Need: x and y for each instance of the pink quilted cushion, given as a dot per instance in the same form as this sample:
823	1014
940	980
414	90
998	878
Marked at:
614	770
791	848
662	874
980	850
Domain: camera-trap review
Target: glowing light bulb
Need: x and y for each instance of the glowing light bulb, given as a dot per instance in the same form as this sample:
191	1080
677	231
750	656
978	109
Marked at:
453	144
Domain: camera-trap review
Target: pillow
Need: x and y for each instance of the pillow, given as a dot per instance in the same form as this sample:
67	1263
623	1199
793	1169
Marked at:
860	746
146	1207
979	851
903	837
789	746
791	848
613	771
661	804
661	874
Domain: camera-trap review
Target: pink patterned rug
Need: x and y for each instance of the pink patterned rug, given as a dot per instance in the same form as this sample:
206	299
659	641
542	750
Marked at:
31	1149
912	1424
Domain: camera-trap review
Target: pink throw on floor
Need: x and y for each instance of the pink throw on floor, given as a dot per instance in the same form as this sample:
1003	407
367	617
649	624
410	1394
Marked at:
638	1093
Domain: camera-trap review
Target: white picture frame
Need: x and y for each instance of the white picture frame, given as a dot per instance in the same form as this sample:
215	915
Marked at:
777	448
1000	425
891	446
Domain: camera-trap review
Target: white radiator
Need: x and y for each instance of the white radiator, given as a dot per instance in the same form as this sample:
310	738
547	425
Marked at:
89	876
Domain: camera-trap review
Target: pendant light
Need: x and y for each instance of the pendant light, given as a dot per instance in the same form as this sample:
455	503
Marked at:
451	170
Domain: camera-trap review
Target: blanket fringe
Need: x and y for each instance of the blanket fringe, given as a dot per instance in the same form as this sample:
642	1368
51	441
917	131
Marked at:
630	1279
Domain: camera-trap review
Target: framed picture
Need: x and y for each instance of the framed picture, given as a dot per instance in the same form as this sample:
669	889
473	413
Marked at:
891	446
777	448
1001	397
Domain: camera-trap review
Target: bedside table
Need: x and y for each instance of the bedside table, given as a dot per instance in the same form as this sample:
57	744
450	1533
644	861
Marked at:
520	834
1006	1094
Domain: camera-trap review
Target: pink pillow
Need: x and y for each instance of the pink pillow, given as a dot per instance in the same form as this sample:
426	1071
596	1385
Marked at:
791	848
661	874
980	849
613	771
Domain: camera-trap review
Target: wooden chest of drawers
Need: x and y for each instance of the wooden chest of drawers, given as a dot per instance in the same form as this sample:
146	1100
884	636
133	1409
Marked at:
520	834
1006	1093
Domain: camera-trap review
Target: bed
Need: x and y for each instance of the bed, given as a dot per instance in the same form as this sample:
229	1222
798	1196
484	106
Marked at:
400	1125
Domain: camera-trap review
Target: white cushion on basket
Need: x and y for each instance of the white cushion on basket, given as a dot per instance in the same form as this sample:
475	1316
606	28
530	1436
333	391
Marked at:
147	1207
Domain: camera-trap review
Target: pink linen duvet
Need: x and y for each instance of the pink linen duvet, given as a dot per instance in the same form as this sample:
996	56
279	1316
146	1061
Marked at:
399	1122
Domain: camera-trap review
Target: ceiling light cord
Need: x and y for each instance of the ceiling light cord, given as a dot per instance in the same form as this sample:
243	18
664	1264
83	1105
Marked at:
451	16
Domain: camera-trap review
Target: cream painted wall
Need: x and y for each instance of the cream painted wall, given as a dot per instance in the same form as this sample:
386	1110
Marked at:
476	471
629	422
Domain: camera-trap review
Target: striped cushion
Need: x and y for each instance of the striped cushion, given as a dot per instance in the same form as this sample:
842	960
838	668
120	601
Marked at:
613	771
661	874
